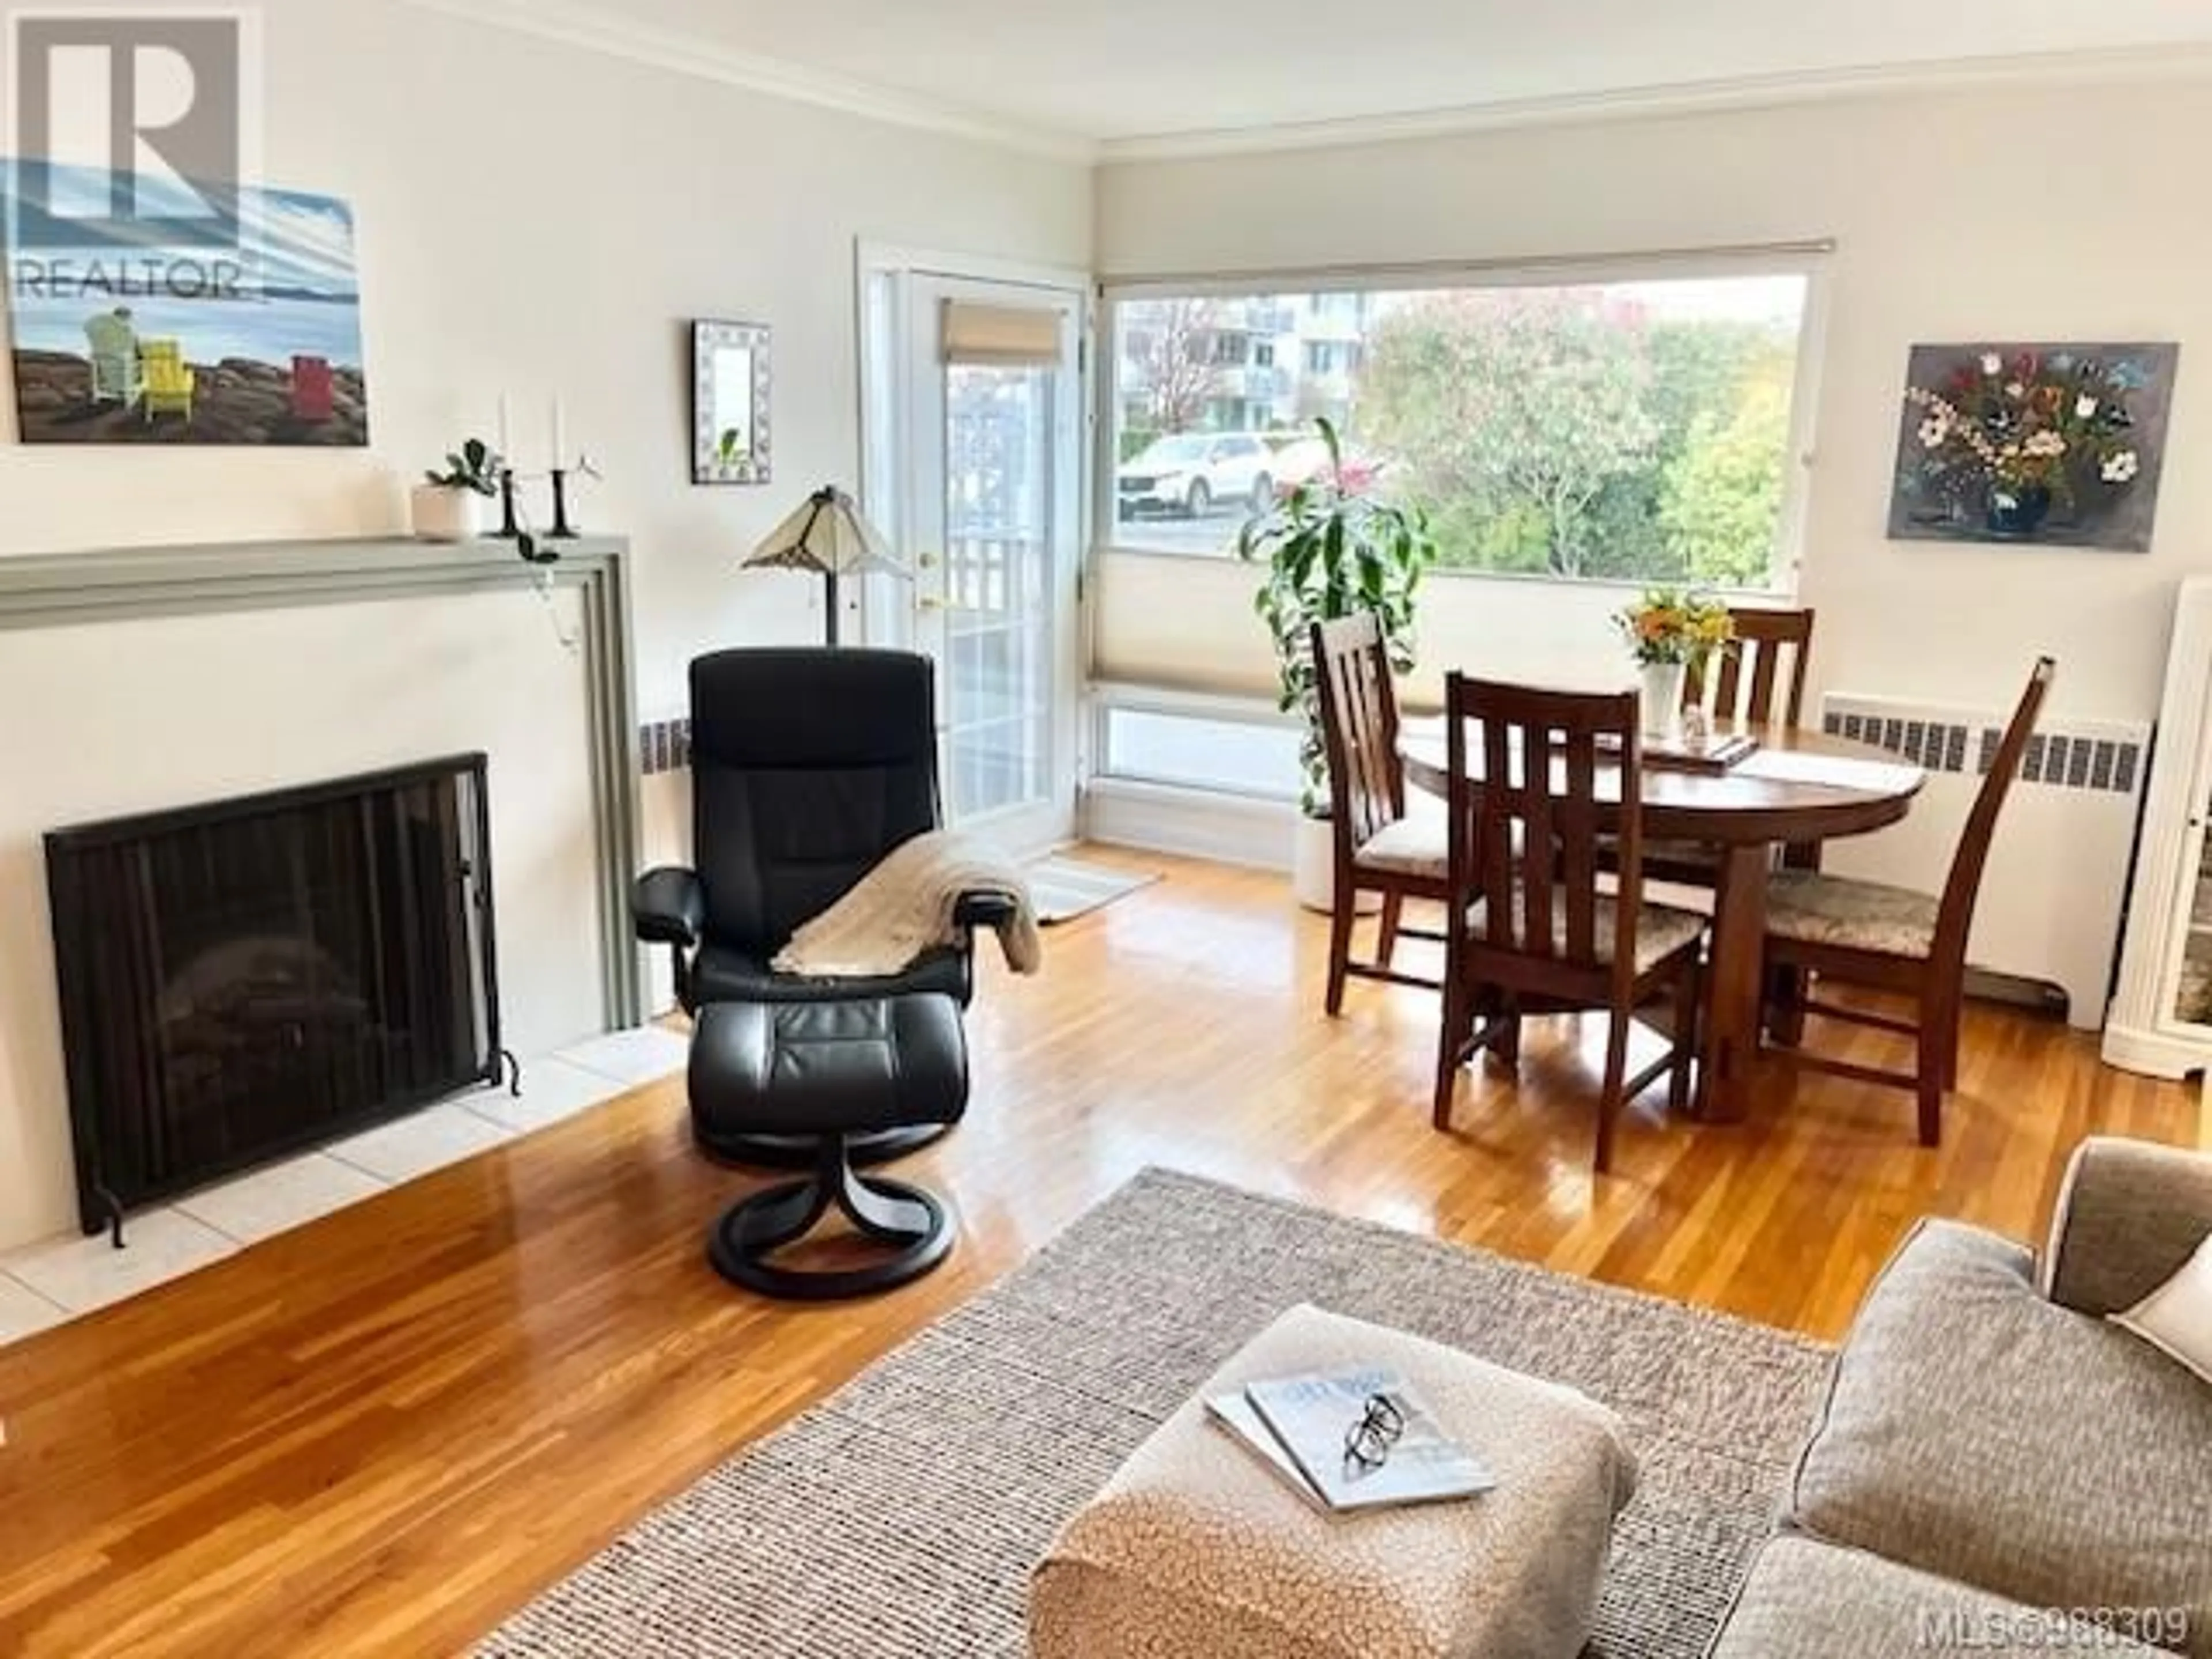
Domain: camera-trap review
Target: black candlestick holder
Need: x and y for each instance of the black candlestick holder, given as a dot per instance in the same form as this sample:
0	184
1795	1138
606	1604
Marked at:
509	525
561	531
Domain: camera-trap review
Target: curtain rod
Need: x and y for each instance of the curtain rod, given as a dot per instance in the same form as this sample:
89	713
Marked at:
1300	277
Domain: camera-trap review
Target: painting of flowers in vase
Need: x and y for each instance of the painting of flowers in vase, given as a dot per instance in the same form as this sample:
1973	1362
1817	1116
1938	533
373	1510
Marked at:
2058	445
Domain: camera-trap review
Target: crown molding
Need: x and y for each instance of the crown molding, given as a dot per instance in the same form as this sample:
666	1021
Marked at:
591	29
1753	92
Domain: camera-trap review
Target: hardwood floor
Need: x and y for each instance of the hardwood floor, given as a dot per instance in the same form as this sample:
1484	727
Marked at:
378	1434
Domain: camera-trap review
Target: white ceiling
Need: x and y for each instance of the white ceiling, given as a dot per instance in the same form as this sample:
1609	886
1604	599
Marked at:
1125	72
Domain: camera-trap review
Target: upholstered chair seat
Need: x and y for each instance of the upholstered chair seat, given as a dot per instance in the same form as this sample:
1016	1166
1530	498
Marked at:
1416	844
1863	915
1660	929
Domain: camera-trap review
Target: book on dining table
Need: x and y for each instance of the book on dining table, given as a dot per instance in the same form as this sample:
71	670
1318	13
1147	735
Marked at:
1715	752
1299	1426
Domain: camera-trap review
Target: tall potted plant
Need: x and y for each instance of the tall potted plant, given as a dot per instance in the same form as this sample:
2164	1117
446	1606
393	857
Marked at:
1332	547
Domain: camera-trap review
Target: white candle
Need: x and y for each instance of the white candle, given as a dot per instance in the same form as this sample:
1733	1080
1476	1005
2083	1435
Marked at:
560	436
506	434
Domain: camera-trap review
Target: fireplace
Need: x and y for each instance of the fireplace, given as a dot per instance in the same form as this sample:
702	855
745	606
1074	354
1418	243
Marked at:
248	977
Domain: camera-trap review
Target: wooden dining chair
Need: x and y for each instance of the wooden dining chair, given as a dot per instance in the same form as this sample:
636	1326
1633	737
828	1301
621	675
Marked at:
1382	847
1523	837
1761	681
1769	656
1891	938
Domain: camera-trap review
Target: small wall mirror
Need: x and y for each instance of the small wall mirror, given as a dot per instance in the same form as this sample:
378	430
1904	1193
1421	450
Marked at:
730	380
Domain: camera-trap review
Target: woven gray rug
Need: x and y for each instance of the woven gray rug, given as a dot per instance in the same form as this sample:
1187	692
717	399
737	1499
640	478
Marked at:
898	1519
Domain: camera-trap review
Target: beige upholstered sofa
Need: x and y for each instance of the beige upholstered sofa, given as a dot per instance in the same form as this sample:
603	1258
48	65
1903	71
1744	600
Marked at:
1998	1468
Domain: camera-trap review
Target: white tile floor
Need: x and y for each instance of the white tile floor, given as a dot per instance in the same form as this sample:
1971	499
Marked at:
24	1312
420	1142
552	1089
45	1284
84	1273
630	1058
284	1195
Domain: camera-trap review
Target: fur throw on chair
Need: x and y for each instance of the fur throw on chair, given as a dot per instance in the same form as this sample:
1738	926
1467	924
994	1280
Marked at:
904	907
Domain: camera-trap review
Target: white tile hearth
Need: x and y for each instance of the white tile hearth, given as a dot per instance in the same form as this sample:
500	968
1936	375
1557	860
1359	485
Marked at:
24	1312
84	1273
50	1283
631	1058
421	1142
552	1090
269	1201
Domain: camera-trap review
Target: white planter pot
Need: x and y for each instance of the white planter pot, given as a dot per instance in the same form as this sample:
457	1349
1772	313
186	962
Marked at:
1662	698
1312	869
441	514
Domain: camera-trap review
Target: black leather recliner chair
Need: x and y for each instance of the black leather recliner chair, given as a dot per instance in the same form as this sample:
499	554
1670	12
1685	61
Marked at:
807	767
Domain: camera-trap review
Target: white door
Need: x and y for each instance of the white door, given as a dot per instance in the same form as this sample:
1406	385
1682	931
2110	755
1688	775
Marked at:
976	411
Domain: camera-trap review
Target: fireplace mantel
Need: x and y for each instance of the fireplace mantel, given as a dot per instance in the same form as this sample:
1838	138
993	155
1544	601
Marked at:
75	589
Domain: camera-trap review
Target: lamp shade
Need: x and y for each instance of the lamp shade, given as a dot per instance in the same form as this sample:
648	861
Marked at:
829	535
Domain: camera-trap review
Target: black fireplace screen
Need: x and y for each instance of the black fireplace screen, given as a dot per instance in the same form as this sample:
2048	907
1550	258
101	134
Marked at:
244	978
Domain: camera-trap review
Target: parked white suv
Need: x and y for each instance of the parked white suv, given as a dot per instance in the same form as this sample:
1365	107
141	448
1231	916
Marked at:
1189	472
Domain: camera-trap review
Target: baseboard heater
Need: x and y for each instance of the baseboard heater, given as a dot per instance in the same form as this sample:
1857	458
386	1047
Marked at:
246	978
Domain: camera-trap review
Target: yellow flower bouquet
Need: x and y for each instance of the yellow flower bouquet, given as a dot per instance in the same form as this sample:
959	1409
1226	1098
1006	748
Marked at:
1674	626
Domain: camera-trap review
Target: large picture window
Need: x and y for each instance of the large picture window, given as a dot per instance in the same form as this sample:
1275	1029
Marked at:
1637	429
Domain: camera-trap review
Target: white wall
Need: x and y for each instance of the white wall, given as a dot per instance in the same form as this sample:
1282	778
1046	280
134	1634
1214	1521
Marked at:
536	217
2044	213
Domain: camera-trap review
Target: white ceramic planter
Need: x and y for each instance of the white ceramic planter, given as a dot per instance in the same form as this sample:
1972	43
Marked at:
441	514
1312	869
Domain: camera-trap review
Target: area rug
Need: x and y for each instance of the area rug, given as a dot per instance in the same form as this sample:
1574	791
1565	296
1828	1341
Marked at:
1064	888
899	1518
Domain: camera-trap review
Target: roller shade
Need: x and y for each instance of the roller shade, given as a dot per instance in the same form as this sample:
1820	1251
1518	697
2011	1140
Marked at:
1007	337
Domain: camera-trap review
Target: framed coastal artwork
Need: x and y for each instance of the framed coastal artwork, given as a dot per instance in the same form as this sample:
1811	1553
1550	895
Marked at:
2061	446
256	344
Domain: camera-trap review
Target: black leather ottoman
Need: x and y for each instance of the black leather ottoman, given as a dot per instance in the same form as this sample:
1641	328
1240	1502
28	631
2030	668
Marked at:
828	1072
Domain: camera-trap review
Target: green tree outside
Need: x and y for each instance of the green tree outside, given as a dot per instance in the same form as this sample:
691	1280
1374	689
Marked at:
1566	432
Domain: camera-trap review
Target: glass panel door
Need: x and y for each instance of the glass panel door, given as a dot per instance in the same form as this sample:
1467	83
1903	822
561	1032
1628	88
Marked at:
982	460
1002	680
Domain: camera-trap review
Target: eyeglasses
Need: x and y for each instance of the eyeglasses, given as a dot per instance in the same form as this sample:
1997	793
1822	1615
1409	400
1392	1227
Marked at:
1367	1443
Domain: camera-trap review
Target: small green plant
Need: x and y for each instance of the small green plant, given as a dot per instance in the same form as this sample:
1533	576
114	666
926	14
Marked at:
474	466
1333	549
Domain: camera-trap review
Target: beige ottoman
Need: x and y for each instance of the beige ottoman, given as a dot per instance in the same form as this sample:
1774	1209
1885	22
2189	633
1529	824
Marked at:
1195	1551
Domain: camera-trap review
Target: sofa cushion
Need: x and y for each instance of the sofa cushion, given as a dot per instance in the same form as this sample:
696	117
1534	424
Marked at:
1806	1600
1976	1431
2176	1318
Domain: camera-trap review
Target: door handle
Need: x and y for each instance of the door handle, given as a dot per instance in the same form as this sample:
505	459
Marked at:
929	602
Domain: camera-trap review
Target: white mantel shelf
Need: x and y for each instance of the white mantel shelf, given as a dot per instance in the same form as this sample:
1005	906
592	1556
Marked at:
74	589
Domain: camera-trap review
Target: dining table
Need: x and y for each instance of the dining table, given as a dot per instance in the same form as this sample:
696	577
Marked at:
1796	787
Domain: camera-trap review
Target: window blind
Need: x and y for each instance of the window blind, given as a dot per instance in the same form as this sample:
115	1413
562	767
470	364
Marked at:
1006	336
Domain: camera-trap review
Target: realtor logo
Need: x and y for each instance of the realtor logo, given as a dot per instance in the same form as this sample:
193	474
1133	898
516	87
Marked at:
132	129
